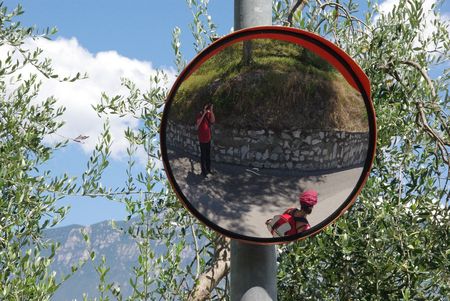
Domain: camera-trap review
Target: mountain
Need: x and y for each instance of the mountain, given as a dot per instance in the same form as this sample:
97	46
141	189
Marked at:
120	251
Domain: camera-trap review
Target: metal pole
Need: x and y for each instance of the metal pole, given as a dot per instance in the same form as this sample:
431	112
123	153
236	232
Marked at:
253	272
250	13
253	267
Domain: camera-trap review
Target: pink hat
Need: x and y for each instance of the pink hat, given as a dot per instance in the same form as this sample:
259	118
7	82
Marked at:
308	198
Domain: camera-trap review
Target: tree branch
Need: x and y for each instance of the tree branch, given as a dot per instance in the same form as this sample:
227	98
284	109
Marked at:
211	278
300	4
421	115
346	14
197	252
338	6
424	122
423	73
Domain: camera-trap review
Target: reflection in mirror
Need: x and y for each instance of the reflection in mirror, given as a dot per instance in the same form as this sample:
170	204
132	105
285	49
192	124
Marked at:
262	128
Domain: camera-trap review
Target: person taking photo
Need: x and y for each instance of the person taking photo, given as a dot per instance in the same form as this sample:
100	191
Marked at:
203	123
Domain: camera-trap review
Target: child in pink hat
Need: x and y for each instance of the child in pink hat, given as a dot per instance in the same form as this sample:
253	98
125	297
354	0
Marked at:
307	201
293	220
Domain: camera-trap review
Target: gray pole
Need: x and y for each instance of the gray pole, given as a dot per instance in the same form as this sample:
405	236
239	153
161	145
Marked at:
253	272
253	267
249	13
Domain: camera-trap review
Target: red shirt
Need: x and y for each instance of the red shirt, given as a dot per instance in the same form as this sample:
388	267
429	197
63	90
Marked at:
204	129
289	214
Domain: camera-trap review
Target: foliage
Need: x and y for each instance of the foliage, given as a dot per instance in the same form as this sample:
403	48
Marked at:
27	201
392	245
29	194
158	217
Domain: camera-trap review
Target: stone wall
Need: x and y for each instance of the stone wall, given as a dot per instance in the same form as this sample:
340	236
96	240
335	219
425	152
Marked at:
306	150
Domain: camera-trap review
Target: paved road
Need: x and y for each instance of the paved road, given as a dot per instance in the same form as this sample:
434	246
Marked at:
241	199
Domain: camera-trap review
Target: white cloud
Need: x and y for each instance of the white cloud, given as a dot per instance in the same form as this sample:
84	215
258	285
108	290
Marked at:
429	16
105	70
387	6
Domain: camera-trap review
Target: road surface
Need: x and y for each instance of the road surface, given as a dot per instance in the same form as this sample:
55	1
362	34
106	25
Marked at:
240	199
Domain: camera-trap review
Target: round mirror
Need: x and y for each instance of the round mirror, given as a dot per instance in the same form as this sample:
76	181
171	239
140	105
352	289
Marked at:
268	135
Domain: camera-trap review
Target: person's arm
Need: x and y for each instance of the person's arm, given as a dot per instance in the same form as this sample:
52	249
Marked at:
199	120
301	224
302	227
212	118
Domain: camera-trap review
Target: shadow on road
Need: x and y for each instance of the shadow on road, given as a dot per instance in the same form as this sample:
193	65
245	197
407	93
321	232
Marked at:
241	199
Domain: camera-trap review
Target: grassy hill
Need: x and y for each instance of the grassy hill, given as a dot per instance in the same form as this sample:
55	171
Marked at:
285	86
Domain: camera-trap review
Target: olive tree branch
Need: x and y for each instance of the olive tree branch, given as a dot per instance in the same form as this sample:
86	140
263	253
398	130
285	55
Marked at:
424	75
44	67
341	7
421	118
183	282
444	125
219	269
197	254
346	14
421	109
299	4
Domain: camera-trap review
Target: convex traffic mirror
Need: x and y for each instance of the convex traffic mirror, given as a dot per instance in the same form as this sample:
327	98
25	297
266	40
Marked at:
268	135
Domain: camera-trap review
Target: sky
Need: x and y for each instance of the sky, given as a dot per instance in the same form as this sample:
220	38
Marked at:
110	40
107	40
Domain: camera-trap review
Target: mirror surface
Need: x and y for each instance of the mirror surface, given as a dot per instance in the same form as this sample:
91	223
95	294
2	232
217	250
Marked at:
268	120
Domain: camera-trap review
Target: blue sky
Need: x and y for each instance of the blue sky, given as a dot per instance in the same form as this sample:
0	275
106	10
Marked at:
137	29
107	32
110	39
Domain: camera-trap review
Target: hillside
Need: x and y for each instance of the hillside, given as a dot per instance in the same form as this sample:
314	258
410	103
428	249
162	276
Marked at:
285	86
120	250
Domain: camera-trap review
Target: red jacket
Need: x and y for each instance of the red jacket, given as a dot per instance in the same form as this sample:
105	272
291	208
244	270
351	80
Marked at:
204	129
